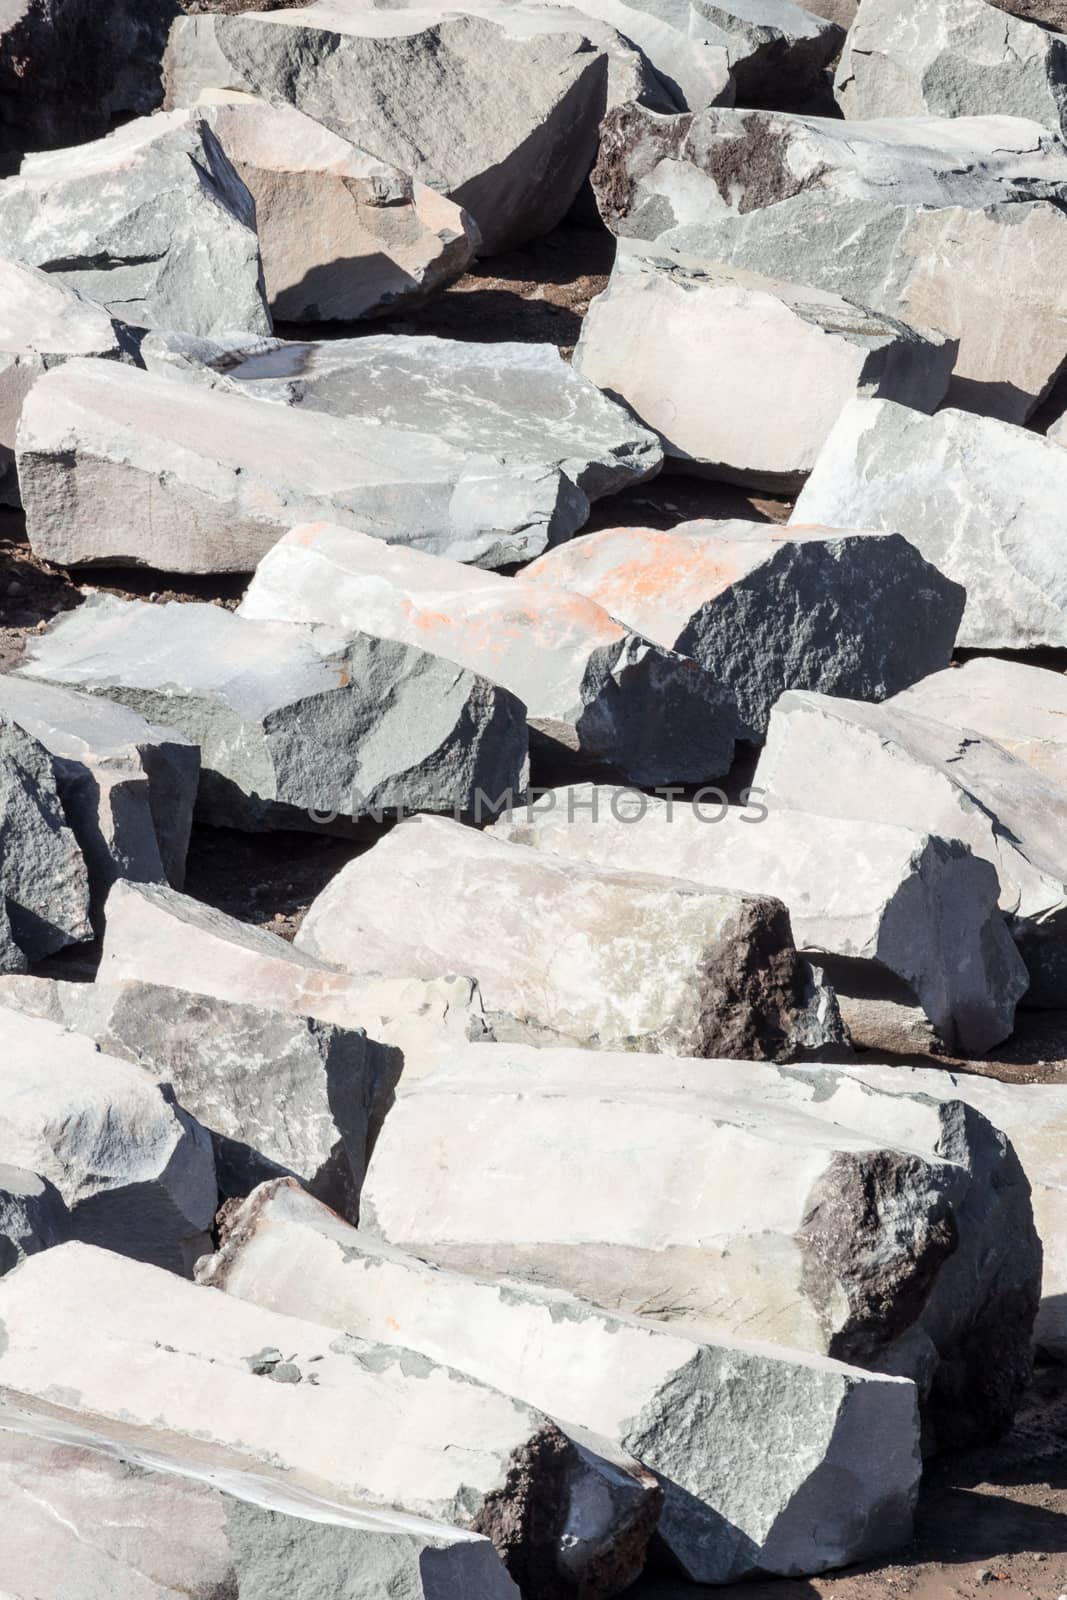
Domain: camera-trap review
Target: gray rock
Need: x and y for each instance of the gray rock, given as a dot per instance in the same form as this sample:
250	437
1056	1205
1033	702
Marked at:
612	960
1019	707
978	497
1052	13
33	1215
297	726
764	609
596	695
895	1232
152	223
843	12
12	958
781	50
693	72
43	877
135	1169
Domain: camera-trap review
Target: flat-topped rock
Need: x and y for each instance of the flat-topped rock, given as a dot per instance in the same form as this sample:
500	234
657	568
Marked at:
1019	707
44	883
33	1214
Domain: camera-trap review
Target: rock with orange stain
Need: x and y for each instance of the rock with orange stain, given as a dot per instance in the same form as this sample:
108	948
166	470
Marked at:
596	694
764	608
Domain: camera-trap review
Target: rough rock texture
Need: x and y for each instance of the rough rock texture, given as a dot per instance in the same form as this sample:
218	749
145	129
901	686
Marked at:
952	58
785	358
43	879
980	498
947	224
596	695
136	1170
324	1411
840	758
151	222
297	726
796	1494
606	959
900	1239
920	909
692	72
780	50
1021	708
498	111
33	1215
764	609
278	1093
155	936
342	235
93	1513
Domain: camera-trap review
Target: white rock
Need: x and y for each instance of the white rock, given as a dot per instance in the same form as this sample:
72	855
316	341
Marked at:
44	884
1019	707
33	1215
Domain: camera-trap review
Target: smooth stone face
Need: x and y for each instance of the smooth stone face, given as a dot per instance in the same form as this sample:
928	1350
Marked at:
43	877
152	222
896	1233
297	726
33	1215
781	50
745	1439
980	499
596	695
764	608
612	960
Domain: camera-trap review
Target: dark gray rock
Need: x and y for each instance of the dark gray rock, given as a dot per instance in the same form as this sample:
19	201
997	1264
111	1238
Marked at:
33	1216
43	876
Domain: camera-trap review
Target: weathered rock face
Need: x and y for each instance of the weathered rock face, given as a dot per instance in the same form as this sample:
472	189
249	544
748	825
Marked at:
342	235
780	51
611	960
152	223
297	726
1021	708
596	695
135	1169
326	1412
199	1519
691	72
885	899
737	1498
43	879
978	497
901	1239
764	609
498	111
952	58
33	1215
935	221
786	359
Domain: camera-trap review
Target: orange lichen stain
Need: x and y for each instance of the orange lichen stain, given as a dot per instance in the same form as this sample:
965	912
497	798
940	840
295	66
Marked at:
309	534
344	678
391	1322
427	621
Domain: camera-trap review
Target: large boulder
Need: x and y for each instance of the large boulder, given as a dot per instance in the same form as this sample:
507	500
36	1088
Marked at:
596	694
693	71
44	883
134	1168
297	726
1019	707
764	609
899	1238
33	1214
324	1411
606	959
784	359
793	1492
980	498
780	51
953	224
152	222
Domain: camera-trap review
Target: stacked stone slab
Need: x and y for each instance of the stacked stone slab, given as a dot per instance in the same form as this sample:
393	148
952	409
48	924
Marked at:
44	884
1019	707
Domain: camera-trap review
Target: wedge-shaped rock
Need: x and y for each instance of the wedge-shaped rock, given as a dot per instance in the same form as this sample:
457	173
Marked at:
901	1240
681	1402
603	958
155	936
839	758
981	499
296	725
326	1412
780	50
135	1169
594	692
952	58
763	609
425	91
921	910
1021	708
692	72
342	235
43	879
151	222
278	1093
939	222
33	1215
94	1510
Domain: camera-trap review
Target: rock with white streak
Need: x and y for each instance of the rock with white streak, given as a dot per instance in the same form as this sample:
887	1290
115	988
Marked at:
152	222
765	608
1019	707
326	1412
297	726
595	693
738	1499
786	360
952	224
781	50
885	899
134	1168
44	882
898	1237
978	497
33	1214
570	952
